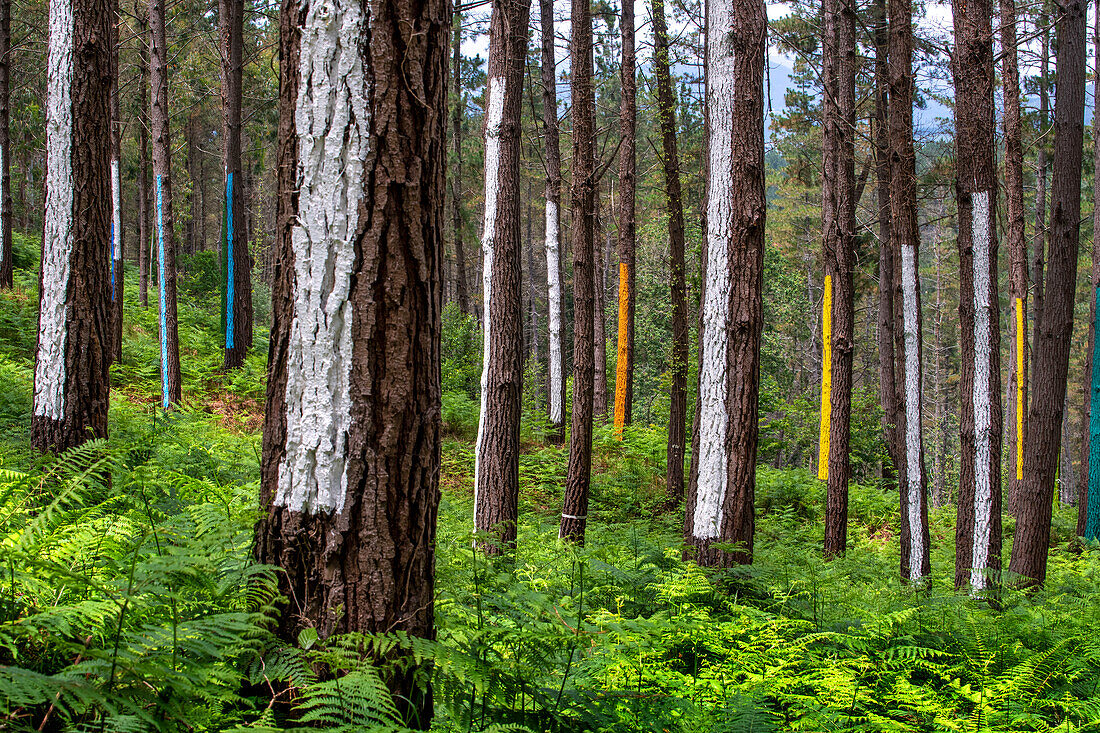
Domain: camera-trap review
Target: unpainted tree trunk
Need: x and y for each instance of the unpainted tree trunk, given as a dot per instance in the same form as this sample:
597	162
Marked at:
599	315
350	502
626	277
6	274
71	385
1039	236
457	113
1055	325
144	229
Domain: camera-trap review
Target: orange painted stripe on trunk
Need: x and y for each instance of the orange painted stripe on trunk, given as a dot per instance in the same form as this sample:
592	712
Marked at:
621	374
826	379
1019	389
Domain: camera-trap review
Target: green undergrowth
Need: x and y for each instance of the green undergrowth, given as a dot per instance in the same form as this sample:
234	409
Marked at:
129	600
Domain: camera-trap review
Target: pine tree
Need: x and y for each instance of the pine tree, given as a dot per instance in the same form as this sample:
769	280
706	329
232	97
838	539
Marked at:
117	280
628	113
5	145
1088	497
458	107
141	13
70	372
351	447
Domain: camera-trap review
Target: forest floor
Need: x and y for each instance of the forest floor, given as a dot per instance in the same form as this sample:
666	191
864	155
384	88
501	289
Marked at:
129	599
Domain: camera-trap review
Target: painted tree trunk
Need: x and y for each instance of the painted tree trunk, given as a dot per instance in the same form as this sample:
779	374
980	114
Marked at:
628	114
71	387
674	207
351	451
145	238
1088	497
238	261
6	274
165	245
496	467
117	280
719	506
978	523
457	113
555	293
1055	326
838	228
912	480
574	513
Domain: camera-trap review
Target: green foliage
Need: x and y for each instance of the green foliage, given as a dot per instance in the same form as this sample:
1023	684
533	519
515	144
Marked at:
461	352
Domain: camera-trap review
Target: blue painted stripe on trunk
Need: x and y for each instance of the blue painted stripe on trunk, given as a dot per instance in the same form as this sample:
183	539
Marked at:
1092	518
163	296
229	258
111	259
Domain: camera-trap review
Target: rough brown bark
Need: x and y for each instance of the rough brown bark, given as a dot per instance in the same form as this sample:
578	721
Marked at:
496	472
1055	326
71	399
625	276
172	382
457	112
1039	236
838	229
143	208
368	567
674	208
583	193
5	145
238	342
599	314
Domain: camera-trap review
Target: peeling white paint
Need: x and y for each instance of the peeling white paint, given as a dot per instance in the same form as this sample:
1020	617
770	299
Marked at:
332	119
983	395
713	385
49	368
553	283
116	212
494	118
912	411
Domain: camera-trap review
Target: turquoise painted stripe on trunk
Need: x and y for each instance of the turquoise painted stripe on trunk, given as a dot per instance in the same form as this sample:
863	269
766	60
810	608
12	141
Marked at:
229	299
1092	518
163	297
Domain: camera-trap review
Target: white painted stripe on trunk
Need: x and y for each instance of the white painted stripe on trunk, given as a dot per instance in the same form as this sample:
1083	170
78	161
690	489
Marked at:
116	211
49	368
713	387
494	117
553	282
983	394
332	119
912	411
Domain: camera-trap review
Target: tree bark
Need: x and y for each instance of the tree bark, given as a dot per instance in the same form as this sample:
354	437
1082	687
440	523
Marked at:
628	118
1038	242
1088	497
6	274
574	513
171	381
554	272
674	208
496	470
71	385
144	228
978	523
351	451
838	230
602	246
1055	325
117	280
457	113
912	480
238	261
721	493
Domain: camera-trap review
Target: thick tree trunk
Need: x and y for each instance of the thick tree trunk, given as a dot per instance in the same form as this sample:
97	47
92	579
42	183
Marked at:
574	513
719	507
1039	236
674	207
238	261
144	228
1055	326
628	118
978	524
117	280
496	470
71	387
5	145
457	113
912	479
838	229
171	381
1088	496
351	452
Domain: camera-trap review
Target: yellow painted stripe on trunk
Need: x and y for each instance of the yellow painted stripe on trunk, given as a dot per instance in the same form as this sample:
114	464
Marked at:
1019	389
826	378
621	363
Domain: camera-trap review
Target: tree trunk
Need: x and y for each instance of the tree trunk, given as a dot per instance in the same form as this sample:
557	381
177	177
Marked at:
144	229
838	230
71	386
599	312
628	114
238	261
1055	325
912	479
670	160
978	523
351	449
1088	496
457	113
1067	480
533	311
1038	241
574	513
5	145
721	493
496	471
117	280
555	293
171	381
